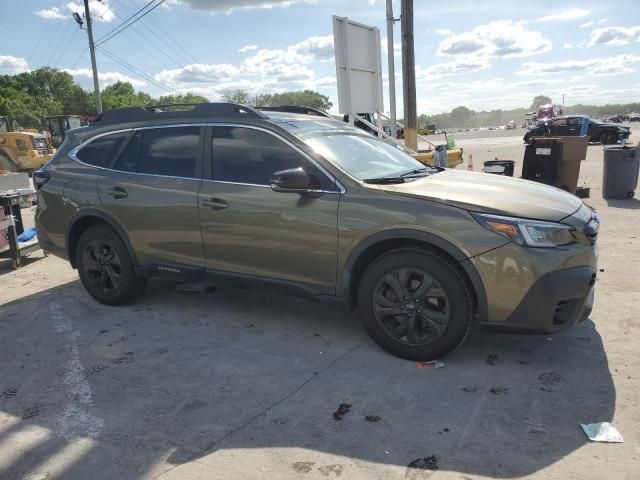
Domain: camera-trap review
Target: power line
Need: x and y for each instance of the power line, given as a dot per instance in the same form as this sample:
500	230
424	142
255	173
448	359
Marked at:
42	55
79	58
115	28
124	27
144	49
167	35
140	74
55	50
64	50
42	33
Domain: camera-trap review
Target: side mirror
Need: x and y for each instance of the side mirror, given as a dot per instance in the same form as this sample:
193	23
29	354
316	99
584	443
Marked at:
291	180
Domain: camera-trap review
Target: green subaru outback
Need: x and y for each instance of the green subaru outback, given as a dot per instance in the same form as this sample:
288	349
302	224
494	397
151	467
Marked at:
226	191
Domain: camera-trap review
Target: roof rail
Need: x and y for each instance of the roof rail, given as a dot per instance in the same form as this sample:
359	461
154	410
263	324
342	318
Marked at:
199	110
296	109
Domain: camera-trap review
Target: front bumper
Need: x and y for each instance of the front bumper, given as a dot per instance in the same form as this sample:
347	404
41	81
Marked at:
556	301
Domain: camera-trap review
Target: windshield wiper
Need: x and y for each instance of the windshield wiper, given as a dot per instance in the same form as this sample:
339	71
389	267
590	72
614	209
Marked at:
385	180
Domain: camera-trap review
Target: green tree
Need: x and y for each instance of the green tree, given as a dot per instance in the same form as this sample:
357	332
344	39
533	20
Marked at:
236	96
304	98
538	101
181	98
462	116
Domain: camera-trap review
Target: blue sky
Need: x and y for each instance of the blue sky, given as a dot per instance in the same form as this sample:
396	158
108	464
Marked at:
482	54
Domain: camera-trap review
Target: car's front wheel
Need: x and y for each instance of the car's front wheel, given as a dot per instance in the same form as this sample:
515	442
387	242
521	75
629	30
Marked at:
415	304
105	266
607	138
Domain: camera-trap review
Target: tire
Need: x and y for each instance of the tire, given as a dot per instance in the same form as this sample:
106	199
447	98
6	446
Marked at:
436	295
608	138
6	163
105	266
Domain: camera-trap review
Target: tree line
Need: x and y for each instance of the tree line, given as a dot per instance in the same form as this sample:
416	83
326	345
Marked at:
27	98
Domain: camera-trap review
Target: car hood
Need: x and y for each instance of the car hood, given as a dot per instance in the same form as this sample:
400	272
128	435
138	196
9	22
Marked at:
488	193
618	125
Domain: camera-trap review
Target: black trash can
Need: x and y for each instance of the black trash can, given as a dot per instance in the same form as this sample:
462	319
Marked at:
542	157
620	175
499	167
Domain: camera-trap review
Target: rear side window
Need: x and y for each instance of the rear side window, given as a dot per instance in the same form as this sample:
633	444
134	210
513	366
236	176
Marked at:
128	161
101	151
168	151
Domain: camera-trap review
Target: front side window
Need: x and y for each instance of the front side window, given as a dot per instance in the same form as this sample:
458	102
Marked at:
168	151
561	122
101	151
362	156
246	155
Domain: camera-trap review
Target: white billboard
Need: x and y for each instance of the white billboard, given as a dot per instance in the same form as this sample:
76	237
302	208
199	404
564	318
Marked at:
358	66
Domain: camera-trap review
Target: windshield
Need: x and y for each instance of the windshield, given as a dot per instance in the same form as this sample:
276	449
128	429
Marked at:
362	156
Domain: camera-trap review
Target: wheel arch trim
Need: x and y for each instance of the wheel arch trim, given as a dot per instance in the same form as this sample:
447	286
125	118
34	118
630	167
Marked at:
344	280
86	212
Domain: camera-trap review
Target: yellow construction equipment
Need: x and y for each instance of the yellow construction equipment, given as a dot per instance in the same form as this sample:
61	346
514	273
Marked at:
22	150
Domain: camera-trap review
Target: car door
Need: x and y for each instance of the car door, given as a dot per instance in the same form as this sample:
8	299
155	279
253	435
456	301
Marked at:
250	229
574	125
151	190
559	127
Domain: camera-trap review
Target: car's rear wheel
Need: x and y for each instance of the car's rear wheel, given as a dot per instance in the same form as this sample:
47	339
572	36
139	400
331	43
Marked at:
415	304
105	266
607	138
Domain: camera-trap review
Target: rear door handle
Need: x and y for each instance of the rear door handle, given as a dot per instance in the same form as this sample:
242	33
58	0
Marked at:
215	204
117	192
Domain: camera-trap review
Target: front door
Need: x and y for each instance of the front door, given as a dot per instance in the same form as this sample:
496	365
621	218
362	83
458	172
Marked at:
151	190
249	229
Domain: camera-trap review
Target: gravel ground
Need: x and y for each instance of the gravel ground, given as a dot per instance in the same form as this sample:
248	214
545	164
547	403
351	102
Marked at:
253	383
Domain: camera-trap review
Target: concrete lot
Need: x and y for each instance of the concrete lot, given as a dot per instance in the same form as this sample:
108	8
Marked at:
244	383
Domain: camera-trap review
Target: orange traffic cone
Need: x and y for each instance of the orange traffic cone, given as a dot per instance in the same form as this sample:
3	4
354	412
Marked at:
470	163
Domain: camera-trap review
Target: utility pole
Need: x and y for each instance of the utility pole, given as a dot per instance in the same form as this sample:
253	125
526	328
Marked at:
92	51
409	77
392	69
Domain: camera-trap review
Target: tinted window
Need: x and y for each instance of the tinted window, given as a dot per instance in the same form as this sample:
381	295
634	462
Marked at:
561	122
169	151
128	161
101	151
245	155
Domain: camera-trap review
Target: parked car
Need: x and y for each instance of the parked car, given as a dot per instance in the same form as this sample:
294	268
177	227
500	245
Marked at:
634	117
567	126
227	192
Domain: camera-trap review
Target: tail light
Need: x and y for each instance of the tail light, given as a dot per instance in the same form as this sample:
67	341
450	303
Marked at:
40	177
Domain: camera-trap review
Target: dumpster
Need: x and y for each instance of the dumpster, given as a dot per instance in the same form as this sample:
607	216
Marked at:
620	175
555	161
499	167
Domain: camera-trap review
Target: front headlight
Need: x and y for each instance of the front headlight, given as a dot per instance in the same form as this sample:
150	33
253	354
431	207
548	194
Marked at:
529	233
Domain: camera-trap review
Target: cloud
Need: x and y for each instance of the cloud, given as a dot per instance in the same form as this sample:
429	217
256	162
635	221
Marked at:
445	32
248	48
84	76
568	45
614	36
273	69
586	24
230	6
565	16
197	73
502	38
101	11
51	14
461	64
595	66
10	65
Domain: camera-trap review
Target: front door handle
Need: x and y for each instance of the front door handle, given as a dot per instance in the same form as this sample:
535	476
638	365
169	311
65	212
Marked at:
215	204
117	192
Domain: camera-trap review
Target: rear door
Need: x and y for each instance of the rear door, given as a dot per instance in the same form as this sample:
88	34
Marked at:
151	190
249	229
